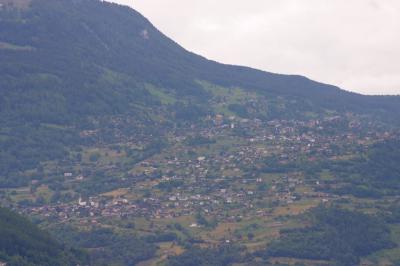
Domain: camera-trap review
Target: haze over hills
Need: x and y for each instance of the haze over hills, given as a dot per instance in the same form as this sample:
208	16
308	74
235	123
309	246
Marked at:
119	140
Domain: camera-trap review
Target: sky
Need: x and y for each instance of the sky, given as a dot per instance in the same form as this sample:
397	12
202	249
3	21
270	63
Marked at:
354	44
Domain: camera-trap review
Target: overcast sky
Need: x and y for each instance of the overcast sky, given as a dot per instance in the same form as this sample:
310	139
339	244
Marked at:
354	44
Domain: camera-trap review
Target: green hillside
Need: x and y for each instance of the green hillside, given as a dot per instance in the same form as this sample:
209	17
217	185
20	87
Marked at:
64	65
22	243
122	143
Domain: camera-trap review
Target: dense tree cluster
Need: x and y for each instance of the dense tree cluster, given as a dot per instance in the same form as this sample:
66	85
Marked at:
107	246
374	174
23	244
335	234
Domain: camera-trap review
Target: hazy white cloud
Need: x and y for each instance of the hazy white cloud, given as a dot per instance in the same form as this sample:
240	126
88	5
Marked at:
354	44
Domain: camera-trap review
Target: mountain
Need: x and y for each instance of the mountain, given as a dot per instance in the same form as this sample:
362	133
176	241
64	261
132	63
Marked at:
75	45
126	145
62	62
22	243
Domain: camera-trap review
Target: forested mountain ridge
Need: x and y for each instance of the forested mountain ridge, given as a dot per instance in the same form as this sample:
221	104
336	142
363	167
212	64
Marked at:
77	43
74	44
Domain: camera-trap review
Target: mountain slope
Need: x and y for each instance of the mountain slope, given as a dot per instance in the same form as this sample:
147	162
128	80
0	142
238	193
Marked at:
75	42
125	144
65	66
22	243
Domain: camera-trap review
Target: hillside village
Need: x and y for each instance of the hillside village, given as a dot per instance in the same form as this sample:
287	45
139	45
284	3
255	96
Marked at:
227	168
124	148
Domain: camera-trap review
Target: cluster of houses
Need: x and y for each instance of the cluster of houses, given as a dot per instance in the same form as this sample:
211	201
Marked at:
230	173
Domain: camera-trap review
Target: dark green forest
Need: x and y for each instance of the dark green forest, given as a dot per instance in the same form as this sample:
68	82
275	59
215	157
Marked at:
23	244
373	174
103	245
335	234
